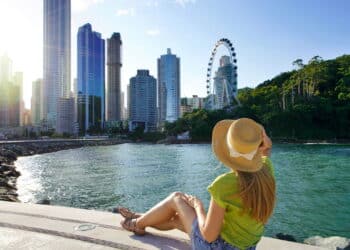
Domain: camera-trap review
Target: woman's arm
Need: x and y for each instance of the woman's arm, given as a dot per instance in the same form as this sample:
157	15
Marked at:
266	145
209	224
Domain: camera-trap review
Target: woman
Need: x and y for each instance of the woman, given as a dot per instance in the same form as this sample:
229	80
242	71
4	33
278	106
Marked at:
242	200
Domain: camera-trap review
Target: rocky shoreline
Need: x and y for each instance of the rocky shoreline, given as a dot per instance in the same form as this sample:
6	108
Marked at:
10	151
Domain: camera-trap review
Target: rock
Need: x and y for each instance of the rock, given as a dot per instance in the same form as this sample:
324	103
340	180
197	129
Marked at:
5	184
6	167
287	237
9	198
346	248
2	159
334	242
3	190
44	202
11	173
10	155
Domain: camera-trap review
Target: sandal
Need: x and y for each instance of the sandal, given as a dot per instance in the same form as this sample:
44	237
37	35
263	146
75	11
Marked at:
126	213
130	225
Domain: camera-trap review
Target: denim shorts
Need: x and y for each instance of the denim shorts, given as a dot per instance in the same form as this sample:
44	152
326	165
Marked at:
199	243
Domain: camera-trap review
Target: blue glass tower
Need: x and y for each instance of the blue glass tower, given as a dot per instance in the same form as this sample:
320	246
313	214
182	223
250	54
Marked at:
91	79
169	87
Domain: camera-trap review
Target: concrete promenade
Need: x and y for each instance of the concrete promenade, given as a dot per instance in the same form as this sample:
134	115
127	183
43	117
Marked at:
32	226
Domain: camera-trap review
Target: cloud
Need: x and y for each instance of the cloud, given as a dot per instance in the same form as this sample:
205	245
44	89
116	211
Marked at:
153	32
126	12
184	2
82	5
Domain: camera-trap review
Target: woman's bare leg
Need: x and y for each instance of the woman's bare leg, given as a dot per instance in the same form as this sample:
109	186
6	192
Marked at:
173	223
161	214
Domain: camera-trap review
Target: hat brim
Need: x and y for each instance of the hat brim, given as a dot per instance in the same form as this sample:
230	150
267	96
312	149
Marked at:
220	149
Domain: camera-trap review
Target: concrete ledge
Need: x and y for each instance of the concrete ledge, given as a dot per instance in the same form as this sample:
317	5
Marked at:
32	226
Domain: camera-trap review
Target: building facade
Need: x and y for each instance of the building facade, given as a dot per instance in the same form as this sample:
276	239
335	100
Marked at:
188	104
5	69
91	80
18	81
225	83
57	57
168	87
10	94
36	102
114	64
10	105
65	119
142	101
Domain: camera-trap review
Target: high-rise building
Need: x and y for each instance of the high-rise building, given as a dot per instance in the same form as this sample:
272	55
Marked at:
5	69
18	81
57	57
142	101
124	115
91	79
36	102
169	87
10	94
225	83
10	105
65	119
114	64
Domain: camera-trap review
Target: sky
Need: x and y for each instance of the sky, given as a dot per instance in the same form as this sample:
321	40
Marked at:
268	35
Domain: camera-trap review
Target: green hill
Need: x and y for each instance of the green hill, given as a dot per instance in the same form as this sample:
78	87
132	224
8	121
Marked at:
310	102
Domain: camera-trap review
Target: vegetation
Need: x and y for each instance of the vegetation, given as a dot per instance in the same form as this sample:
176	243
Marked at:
310	102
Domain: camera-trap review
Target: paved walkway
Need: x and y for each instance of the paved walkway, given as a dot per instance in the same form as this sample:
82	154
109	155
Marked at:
32	226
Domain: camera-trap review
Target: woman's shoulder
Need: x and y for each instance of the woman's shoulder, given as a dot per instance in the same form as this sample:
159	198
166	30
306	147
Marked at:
225	179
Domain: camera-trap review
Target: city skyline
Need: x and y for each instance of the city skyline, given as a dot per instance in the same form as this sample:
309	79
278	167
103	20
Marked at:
267	37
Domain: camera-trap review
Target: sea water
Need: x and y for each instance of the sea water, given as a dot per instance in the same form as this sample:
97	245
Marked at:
313	181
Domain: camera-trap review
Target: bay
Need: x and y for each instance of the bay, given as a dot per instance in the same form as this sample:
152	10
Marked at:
313	181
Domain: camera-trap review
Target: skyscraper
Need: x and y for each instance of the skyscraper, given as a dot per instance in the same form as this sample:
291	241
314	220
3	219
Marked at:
169	87
114	64
18	81
225	83
10	94
36	102
65	118
57	56
91	79
5	69
142	101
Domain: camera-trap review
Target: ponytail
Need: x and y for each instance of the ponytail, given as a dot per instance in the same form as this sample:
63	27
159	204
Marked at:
257	191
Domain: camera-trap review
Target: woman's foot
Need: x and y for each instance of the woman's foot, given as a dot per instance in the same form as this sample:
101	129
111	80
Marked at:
126	213
130	225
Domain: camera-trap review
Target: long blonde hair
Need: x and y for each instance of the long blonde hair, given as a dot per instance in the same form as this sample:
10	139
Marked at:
258	193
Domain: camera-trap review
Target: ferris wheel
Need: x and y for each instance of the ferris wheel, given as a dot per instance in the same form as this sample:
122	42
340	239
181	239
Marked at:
222	89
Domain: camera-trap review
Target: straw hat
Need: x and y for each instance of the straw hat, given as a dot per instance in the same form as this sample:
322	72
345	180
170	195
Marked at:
236	144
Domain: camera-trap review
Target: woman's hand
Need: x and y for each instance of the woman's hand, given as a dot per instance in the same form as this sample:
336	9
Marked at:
193	201
266	145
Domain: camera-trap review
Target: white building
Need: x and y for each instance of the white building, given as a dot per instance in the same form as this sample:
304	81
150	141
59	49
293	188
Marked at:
225	83
57	57
36	102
